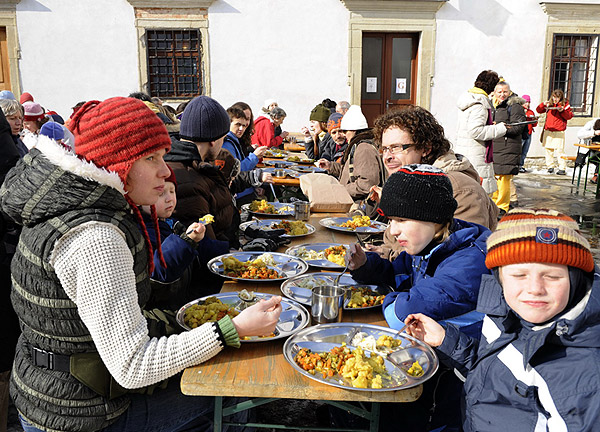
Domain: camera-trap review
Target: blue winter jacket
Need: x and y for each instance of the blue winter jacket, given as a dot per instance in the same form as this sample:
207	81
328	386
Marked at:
233	145
442	284
247	163
530	378
178	253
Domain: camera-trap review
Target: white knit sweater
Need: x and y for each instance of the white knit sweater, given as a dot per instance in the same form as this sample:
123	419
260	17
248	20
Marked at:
95	268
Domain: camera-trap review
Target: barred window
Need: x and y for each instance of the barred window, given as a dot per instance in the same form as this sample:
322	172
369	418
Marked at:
574	59
174	69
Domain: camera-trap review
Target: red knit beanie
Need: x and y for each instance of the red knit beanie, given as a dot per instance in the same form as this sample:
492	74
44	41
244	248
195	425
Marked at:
115	133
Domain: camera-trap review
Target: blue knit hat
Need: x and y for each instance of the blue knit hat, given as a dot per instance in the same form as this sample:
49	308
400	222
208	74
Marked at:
204	120
53	130
7	94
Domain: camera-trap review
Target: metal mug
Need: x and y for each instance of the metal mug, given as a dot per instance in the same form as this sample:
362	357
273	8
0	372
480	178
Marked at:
302	210
327	304
280	173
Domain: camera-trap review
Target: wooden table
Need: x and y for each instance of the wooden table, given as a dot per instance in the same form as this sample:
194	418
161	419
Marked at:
259	370
589	147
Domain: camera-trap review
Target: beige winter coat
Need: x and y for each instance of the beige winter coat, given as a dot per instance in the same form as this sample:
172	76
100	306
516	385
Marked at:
472	133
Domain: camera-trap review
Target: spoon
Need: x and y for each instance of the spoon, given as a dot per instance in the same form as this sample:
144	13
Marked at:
336	282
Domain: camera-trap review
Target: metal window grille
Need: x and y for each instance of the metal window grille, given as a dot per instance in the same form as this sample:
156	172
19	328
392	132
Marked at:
174	68
574	59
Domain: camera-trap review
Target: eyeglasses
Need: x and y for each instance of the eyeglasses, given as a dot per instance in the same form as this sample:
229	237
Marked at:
396	148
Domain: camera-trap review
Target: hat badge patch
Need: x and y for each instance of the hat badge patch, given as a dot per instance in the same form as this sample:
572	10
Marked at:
546	235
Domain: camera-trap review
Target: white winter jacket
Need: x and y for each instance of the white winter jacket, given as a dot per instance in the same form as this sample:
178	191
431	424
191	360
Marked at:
473	132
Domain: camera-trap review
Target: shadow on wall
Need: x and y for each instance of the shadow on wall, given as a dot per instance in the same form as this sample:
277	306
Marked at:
32	6
487	16
223	7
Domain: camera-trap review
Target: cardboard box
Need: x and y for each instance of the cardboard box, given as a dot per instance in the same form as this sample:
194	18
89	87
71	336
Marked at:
325	193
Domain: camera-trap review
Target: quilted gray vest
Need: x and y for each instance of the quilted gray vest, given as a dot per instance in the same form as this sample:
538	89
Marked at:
55	400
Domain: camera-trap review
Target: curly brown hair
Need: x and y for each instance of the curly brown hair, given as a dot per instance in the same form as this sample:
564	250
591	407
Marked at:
425	130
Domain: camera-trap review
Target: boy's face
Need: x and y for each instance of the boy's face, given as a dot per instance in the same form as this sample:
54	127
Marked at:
412	234
536	291
166	201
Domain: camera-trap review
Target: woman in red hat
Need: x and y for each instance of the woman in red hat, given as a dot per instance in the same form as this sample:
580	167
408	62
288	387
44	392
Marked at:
86	359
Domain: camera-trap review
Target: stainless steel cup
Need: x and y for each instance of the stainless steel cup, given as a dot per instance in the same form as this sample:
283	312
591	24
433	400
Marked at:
280	173
327	304
302	210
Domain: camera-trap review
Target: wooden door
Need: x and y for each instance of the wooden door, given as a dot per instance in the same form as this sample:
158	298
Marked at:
389	72
4	66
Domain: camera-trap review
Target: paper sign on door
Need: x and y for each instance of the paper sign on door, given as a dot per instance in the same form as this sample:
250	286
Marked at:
400	85
371	84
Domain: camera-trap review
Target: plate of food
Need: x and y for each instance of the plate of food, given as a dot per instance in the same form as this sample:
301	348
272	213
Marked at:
321	255
253	266
280	163
307	169
294	317
359	224
300	160
361	357
275	153
358	296
263	207
292	228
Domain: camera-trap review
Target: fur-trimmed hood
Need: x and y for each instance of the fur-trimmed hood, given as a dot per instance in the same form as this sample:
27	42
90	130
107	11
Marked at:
51	180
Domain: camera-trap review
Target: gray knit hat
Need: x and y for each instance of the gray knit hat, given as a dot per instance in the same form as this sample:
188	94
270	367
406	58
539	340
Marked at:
204	120
418	192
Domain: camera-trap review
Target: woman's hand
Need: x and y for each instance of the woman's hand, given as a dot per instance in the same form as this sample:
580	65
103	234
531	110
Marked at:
267	177
284	134
357	257
259	319
425	329
375	193
305	131
324	164
260	151
561	108
196	231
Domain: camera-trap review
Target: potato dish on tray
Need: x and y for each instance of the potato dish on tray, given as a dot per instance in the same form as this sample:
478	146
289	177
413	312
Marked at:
337	354
293	318
358	296
323	255
252	266
292	228
265	208
358	224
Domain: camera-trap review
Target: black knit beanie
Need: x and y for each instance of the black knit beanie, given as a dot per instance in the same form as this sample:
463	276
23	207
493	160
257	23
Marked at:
418	192
204	120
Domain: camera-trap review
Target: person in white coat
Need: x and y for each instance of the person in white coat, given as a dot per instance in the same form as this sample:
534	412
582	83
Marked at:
476	129
591	132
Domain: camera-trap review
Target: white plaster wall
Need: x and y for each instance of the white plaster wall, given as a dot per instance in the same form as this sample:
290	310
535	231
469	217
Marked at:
506	36
295	51
74	50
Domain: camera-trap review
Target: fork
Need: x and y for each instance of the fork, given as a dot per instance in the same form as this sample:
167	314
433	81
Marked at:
273	190
336	282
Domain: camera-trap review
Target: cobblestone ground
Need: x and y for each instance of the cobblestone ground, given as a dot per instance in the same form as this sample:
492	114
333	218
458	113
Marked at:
536	188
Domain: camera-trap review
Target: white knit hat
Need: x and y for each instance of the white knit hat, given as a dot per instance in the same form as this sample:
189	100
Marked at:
354	119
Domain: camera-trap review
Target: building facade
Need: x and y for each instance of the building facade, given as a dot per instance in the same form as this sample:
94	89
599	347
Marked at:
375	53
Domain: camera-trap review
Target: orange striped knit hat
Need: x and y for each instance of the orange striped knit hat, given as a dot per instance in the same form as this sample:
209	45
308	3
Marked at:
538	235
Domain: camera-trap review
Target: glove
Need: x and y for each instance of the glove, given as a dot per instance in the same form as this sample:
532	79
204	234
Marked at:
260	244
255	233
